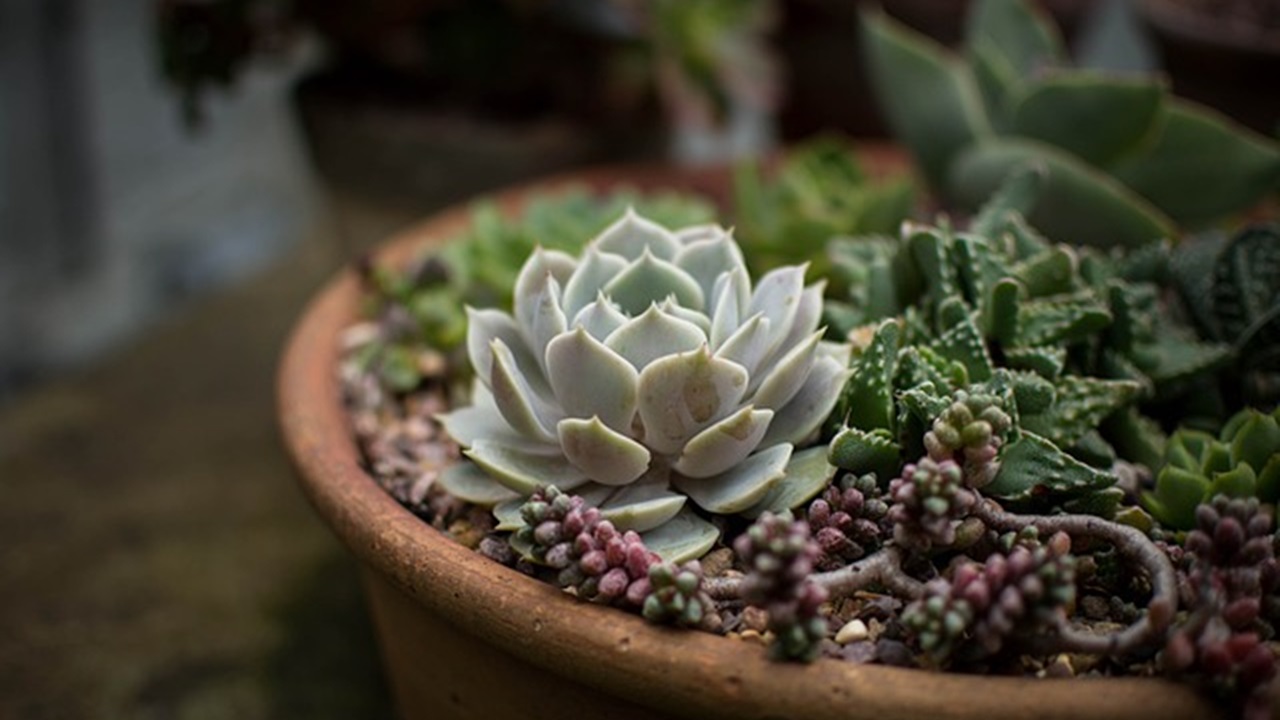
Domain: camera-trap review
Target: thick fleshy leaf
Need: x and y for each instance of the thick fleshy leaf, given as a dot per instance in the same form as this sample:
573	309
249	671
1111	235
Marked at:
593	272
520	407
917	82
600	318
777	297
748	345
860	451
678	311
540	266
808	473
801	418
707	258
742	486
1026	39
606	456
485	325
469	483
589	379
522	471
787	375
1203	166
652	279
507	512
683	393
808	315
631	235
682	538
642	505
548	321
724	444
654	335
1119	112
1080	204
481	419
728	304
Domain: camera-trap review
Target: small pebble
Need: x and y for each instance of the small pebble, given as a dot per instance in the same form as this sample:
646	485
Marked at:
755	619
853	631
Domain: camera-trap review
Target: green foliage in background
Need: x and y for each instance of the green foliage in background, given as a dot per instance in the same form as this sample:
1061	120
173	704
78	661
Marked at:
1126	162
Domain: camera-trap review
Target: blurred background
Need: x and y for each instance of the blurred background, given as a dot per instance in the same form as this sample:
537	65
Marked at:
178	176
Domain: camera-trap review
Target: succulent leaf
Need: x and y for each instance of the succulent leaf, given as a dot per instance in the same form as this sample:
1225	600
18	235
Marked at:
524	471
649	373
1032	465
601	453
723	445
683	393
807	474
742	486
590	380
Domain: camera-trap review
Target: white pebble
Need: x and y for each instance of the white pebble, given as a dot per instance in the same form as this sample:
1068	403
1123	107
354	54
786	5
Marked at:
853	631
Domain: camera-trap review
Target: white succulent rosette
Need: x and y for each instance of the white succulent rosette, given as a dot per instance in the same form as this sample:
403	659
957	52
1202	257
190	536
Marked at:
646	374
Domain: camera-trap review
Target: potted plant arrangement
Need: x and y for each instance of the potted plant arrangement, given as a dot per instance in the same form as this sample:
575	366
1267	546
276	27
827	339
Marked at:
940	449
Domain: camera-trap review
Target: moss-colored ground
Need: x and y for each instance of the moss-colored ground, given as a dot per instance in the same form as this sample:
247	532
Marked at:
156	557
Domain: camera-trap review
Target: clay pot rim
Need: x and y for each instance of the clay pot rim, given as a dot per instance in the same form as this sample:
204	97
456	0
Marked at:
681	672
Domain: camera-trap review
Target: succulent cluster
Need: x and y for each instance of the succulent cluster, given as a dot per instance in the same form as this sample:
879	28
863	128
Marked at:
1242	461
1230	586
779	555
848	520
676	597
1114	146
647	373
970	431
1025	591
593	557
1027	361
930	501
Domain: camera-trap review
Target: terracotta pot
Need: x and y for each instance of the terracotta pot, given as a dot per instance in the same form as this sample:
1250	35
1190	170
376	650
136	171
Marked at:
463	637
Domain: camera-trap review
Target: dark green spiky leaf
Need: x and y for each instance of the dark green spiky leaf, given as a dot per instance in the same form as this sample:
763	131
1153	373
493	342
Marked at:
1081	403
1245	288
1203	166
941	87
1000	311
861	452
918	365
963	343
1032	467
1046	360
868	396
1034	394
1061	319
1080	204
932	253
1048	273
1120	113
1172	358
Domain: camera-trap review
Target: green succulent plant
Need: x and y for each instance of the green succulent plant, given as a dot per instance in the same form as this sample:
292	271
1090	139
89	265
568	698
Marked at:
1230	286
645	374
424	307
1066	342
1126	162
819	191
1242	461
